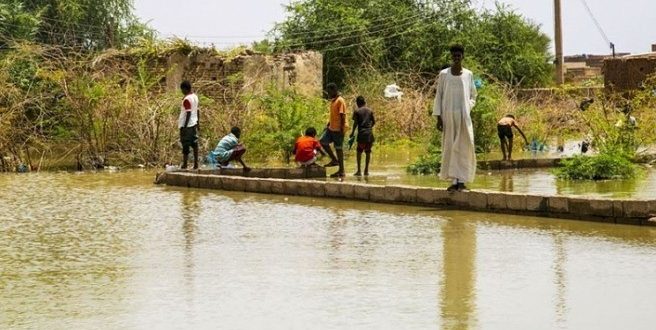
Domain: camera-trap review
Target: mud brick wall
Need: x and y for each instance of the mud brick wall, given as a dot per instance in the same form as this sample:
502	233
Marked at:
625	74
224	79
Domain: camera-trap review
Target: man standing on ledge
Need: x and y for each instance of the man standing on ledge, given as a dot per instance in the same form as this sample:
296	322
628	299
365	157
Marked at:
335	130
454	100
188	124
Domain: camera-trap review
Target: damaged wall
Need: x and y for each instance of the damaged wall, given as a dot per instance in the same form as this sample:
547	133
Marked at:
628	73
222	79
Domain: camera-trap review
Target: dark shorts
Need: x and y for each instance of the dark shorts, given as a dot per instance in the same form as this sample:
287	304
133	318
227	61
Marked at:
189	137
505	131
237	152
336	138
365	137
364	147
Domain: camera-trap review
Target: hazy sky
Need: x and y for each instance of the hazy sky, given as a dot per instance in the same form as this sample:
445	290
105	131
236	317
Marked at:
630	24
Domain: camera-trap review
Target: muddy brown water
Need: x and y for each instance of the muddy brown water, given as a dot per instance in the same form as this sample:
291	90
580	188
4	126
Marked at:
114	251
390	168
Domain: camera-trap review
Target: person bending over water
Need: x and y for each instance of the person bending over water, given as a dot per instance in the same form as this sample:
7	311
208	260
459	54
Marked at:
504	129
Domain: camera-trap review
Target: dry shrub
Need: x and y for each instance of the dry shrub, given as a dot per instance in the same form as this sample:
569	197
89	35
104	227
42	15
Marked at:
405	119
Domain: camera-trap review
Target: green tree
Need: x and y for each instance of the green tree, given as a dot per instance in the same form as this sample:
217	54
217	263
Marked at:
414	36
510	48
86	24
16	23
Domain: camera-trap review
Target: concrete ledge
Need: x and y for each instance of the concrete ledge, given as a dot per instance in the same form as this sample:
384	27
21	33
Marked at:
558	205
408	195
634	212
361	192
270	173
497	201
377	193
519	163
539	204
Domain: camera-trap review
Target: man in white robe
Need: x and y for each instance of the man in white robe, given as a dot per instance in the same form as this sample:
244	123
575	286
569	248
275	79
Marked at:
454	100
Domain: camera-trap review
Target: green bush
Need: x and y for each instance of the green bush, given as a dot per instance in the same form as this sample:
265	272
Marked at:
428	163
484	117
281	118
598	167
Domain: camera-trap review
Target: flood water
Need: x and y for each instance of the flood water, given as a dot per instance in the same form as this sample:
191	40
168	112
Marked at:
390	168
114	251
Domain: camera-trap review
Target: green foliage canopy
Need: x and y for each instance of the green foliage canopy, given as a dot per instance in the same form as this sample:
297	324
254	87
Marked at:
86	24
414	35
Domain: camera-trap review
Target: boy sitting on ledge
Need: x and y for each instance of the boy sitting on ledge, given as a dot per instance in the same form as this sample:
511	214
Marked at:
306	148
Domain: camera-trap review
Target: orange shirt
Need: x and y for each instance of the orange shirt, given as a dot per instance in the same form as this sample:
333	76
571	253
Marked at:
305	148
337	108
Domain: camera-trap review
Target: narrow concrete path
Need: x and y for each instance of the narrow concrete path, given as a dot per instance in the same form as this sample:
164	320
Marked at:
621	211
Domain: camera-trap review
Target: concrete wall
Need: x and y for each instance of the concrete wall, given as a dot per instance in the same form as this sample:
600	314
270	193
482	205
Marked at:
224	79
628	73
519	163
621	211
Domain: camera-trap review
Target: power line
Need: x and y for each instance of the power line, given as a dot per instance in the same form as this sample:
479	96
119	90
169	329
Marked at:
299	33
369	33
372	40
338	36
594	19
295	43
334	33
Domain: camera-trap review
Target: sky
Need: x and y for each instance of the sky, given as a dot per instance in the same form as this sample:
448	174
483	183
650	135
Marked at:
629	24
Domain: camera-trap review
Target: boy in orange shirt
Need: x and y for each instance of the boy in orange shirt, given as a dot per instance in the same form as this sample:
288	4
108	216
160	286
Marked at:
335	130
306	148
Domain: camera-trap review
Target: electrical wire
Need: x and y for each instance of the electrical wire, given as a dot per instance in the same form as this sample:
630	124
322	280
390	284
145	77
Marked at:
594	19
386	20
334	34
345	35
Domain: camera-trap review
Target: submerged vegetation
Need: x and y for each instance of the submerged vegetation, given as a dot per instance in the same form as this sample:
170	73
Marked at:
597	167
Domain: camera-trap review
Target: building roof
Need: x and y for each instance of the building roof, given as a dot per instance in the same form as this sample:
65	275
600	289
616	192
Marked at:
643	55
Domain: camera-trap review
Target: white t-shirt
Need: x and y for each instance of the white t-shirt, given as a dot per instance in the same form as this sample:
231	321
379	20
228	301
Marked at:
189	104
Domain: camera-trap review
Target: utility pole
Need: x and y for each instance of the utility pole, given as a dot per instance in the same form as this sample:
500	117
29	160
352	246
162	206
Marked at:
560	69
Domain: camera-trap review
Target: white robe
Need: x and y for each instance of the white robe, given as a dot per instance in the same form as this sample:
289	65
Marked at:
455	97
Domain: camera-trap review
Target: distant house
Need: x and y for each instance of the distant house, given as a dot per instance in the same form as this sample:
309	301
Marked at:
628	73
585	67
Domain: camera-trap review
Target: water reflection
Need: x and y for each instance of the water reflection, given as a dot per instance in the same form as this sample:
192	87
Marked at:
190	209
459	272
59	253
506	181
182	258
391	170
606	188
560	278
